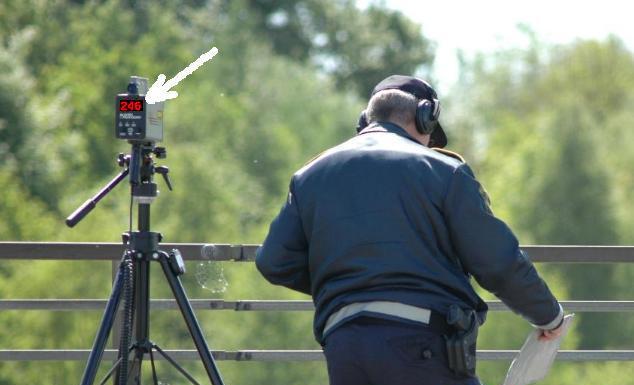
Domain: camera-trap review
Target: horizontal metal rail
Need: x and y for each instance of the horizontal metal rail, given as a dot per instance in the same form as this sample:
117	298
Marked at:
295	355
246	253
268	305
243	253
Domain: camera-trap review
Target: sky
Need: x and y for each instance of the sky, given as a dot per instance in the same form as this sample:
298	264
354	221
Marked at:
488	25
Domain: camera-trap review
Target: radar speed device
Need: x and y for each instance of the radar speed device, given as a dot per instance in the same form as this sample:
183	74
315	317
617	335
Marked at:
135	119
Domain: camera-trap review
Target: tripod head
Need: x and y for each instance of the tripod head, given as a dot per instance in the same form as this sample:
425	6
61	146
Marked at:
142	168
141	124
139	164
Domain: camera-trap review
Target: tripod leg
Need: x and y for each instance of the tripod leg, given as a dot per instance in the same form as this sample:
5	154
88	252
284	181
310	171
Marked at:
134	375
104	330
156	382
176	365
192	323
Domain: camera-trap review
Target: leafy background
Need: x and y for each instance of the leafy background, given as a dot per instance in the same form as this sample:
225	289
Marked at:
547	129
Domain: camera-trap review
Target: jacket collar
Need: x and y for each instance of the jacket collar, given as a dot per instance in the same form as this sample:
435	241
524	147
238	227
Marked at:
388	127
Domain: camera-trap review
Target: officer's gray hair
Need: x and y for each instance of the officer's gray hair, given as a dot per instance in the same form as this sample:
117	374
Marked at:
392	105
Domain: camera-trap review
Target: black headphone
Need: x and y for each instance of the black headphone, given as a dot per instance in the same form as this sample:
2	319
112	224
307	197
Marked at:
426	118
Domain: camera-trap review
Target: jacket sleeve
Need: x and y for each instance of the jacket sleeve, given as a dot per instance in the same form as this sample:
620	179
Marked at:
283	257
490	252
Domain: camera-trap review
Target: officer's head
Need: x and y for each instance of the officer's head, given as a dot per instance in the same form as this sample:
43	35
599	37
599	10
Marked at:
409	102
397	107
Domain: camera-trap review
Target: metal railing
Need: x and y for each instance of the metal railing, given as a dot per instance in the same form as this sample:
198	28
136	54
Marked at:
246	253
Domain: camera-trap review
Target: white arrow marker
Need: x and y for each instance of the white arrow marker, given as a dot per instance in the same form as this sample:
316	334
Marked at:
160	90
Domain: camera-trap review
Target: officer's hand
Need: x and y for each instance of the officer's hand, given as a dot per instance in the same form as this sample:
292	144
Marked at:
549	335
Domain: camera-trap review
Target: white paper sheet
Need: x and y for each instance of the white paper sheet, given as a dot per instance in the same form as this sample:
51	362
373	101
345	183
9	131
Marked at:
535	358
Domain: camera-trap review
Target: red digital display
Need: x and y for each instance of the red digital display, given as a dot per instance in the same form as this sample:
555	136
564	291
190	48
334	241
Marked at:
130	105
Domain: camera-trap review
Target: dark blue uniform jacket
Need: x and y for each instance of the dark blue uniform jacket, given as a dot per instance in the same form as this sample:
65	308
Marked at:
383	218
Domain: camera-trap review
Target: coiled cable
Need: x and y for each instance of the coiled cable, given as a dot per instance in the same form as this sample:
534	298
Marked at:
127	270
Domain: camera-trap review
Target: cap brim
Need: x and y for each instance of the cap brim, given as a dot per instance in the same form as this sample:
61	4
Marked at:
438	137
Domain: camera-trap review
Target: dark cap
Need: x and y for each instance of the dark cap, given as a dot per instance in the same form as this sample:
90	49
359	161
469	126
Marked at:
421	90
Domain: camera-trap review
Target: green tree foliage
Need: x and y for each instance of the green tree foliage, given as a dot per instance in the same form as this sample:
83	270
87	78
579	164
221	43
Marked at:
357	47
18	131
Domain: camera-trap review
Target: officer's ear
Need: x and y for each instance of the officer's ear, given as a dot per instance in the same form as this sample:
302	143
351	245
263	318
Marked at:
362	122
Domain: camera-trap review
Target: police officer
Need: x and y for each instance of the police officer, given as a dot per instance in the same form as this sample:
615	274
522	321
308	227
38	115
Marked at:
384	232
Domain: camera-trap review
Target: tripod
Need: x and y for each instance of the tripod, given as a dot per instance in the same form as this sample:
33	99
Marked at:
132	282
